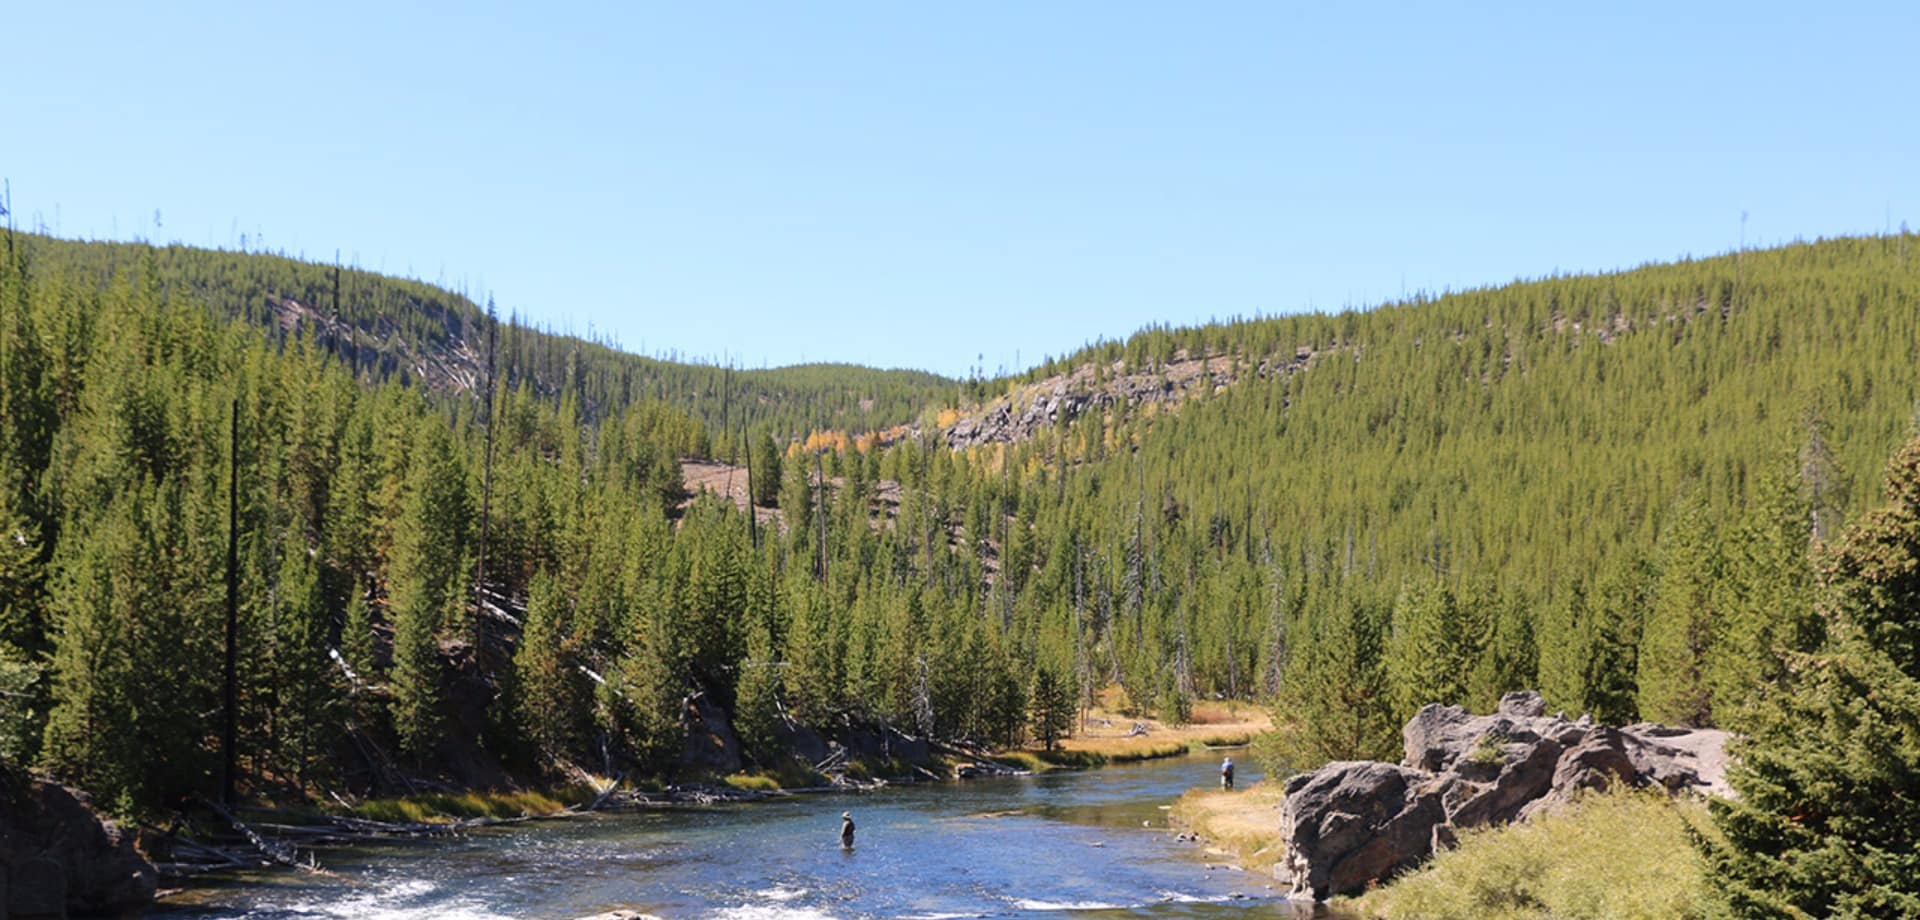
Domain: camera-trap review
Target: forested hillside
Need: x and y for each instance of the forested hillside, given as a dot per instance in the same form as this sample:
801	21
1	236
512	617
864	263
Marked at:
1603	486
396	329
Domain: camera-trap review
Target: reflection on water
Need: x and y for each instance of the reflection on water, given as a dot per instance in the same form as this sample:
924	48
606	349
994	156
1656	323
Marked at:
1091	844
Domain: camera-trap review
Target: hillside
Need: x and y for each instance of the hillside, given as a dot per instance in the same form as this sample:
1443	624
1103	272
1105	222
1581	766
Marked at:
1527	486
389	328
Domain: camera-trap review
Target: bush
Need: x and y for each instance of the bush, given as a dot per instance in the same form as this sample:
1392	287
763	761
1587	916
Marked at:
1615	856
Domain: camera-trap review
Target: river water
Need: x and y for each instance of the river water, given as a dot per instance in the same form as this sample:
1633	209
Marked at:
1093	843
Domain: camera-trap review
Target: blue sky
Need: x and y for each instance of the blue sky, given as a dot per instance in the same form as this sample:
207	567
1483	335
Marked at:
905	185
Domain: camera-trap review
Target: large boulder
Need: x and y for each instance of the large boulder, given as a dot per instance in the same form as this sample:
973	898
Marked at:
1439	737
57	857
1350	824
711	744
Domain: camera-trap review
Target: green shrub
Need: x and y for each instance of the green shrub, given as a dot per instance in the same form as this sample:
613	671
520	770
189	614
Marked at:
1486	750
1613	856
753	782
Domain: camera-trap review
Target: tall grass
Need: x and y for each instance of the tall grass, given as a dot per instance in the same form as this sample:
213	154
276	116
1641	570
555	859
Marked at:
1614	856
441	808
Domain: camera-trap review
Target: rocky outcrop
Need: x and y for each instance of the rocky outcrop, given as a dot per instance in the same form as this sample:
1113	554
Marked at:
58	858
1350	824
1354	821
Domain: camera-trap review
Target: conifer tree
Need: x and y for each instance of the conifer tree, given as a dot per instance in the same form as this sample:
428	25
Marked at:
1052	707
766	472
550	692
1826	823
1681	626
1430	652
757	710
357	650
1768	600
1509	658
426	594
648	706
302	672
1333	702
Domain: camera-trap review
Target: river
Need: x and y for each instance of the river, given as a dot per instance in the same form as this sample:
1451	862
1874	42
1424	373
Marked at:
1092	843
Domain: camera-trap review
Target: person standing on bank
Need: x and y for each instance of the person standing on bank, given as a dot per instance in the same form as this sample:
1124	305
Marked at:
1226	773
846	830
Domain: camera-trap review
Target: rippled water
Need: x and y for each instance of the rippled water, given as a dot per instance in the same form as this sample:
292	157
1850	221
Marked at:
1088	844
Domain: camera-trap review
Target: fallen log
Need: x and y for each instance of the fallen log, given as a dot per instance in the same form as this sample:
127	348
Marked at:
283	854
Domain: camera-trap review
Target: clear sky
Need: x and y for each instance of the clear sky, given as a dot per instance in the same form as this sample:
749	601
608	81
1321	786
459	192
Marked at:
919	185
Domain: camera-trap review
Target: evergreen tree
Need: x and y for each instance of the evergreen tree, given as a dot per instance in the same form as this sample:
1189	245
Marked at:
305	721
550	692
766	472
1768	601
648	706
1681	627
1431	650
426	593
1826	823
1333	702
757	712
1509	659
1052	707
357	650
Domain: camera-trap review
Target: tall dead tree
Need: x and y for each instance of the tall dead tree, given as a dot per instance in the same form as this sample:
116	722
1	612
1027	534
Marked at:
486	477
229	716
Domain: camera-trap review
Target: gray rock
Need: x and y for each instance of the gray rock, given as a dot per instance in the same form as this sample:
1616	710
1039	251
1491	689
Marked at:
1526	772
1350	824
57	857
711	744
1522	704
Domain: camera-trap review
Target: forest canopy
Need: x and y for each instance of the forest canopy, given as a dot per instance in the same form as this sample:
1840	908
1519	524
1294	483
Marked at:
1593	485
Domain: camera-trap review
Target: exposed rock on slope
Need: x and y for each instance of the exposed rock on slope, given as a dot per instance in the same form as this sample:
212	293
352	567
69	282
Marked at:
58	858
1352	823
1065	397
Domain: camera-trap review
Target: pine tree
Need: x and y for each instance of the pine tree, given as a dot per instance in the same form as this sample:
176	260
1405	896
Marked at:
1826	823
757	710
648	706
1052	709
1681	627
357	650
766	472
1509	658
1333	702
302	672
1430	652
426	594
550	692
1767	605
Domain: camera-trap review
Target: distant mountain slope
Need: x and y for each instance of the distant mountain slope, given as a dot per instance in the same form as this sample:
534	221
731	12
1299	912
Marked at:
390	328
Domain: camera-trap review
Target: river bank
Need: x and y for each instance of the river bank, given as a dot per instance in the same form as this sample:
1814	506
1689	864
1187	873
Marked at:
1012	846
1240	824
1106	737
1109	739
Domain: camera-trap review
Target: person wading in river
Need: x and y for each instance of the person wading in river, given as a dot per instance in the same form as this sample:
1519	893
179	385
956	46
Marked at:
1226	773
846	830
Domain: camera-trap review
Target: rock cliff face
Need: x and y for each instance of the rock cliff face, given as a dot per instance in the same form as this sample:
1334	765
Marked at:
58	858
1349	824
